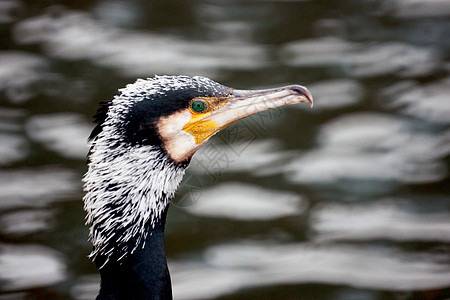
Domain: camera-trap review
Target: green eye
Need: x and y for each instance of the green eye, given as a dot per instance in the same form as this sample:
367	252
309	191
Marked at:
198	106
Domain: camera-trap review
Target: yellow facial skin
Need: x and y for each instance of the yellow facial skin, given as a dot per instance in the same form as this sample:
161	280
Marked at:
199	126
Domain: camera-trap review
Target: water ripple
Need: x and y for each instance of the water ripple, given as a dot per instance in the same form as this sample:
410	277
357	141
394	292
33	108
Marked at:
369	147
428	102
21	74
75	35
13	148
246	202
36	187
383	219
334	94
362	60
30	266
226	268
64	133
25	222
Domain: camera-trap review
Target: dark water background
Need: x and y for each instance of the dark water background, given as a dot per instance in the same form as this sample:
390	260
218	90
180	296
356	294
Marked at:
349	200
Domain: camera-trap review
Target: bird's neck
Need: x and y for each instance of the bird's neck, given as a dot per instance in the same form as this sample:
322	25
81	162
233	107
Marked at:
128	191
142	274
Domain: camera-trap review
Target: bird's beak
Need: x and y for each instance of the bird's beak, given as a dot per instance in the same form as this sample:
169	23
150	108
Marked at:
244	103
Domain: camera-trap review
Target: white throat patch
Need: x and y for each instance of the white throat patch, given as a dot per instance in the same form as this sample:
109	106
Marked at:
180	145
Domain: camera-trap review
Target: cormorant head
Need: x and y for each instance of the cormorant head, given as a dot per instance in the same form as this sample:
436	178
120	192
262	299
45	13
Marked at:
142	144
179	114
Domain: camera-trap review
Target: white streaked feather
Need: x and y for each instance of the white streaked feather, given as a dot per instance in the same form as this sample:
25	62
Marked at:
145	179
145	182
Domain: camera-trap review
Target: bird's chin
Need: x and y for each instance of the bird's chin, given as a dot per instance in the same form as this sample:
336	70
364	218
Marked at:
179	145
182	148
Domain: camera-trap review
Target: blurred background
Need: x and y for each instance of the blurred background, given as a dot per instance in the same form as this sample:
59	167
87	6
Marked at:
348	200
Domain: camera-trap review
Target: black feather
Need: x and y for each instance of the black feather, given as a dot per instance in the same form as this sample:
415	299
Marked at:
99	118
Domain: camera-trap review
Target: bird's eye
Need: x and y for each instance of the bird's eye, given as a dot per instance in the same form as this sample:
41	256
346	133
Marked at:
198	106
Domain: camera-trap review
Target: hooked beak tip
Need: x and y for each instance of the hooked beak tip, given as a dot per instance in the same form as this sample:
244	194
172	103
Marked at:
304	92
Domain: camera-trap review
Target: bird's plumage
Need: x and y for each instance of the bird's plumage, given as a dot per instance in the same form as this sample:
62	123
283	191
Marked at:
130	179
141	275
142	144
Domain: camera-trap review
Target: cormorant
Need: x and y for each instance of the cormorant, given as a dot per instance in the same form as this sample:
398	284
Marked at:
142	144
